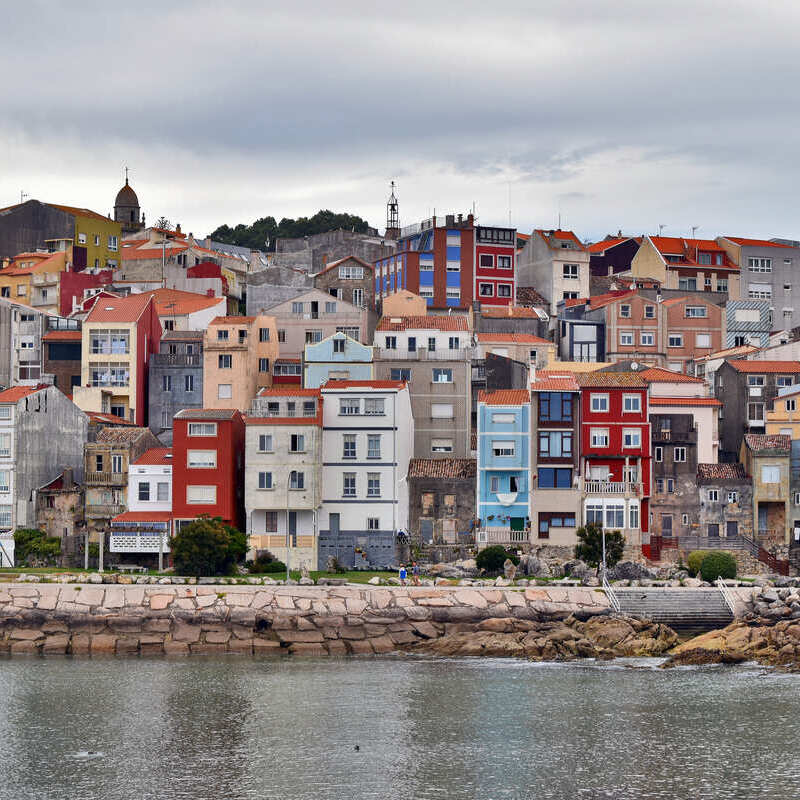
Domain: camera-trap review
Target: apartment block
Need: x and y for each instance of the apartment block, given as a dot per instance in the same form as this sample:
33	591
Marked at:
176	378
337	358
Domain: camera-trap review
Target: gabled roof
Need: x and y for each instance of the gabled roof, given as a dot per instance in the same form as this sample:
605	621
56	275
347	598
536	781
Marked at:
765	367
53	262
745	242
444	468
721	472
15	393
505	397
551	380
232	320
334	385
174	302
684	401
429	322
111	419
287	391
141	253
559	236
207	413
601	300
611	380
606	244
121	434
765	442
661	375
513	338
512	312
119	309
62	336
741	350
687	250
339	261
143	516
528	296
155	456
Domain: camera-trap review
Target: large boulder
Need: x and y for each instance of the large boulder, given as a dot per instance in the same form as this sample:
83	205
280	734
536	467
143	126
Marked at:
577	569
534	567
630	571
509	569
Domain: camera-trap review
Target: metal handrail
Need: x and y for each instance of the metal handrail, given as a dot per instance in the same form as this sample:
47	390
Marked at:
611	595
727	595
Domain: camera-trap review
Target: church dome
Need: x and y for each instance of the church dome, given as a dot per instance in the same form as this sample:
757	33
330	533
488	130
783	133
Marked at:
126	196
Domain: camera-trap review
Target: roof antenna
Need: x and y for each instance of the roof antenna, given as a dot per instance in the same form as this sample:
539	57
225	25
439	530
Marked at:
22	196
695	228
661	227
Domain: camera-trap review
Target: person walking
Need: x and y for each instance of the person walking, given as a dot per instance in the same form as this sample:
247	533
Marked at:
415	573
402	574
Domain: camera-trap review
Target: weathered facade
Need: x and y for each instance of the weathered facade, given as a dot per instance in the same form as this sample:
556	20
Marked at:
60	508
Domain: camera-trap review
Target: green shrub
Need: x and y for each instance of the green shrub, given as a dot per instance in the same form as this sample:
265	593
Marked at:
34	548
590	545
492	558
719	564
694	561
207	547
265	562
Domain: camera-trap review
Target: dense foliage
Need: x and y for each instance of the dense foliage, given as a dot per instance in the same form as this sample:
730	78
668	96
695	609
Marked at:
590	545
492	558
266	229
34	548
265	562
695	561
207	546
718	564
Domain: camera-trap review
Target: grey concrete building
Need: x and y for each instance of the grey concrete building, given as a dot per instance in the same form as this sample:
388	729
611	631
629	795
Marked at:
21	331
310	253
748	322
351	279
726	501
176	379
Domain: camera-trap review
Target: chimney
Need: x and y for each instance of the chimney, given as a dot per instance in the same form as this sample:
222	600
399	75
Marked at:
66	478
324	260
460	218
178	228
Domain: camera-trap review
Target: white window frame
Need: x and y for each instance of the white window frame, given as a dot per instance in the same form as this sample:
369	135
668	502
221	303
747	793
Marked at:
626	338
679	455
638	403
211	491
647	338
598	437
201	459
631	433
675	340
202	429
602	399
713	495
504	448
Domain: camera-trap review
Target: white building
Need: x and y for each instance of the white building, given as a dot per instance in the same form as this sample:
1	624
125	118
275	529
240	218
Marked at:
282	492
146	526
367	442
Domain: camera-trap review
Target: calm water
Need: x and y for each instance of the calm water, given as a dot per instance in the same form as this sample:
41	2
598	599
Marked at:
240	728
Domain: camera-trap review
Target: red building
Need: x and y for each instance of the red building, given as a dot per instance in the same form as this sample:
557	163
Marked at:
74	285
615	452
208	466
495	253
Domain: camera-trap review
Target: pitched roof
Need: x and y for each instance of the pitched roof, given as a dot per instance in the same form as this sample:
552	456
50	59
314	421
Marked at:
155	456
429	322
528	296
141	253
516	338
182	336
684	401
232	320
287	391
759	442
143	516
511	312
721	472
745	242
171	302
80	212
121	434
765	366
295	421
338	261
331	385
552	380
207	413
15	393
119	309
612	241
611	379
661	375
600	300
447	468
505	397
62	336
111	419
742	350
559	235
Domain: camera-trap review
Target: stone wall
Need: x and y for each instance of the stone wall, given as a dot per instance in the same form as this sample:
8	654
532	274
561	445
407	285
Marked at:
80	619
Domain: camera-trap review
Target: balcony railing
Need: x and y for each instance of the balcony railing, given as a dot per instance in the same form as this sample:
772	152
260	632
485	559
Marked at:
423	354
489	536
104	509
178	360
138	543
106	477
612	487
661	436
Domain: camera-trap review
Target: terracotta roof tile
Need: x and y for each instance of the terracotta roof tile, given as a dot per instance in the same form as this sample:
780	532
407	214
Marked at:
444	468
517	338
207	413
528	296
339	261
111	419
601	300
430	322
288	391
740	240
15	393
232	320
121	434
613	241
661	375
143	516
611	379
505	397
721	472
759	442
554	381
119	309
141	253
511	312
332	385
155	456
170	302
766	366
559	235
684	401
62	336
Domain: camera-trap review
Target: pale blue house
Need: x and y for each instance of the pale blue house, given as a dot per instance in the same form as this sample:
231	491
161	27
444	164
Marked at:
503	482
338	357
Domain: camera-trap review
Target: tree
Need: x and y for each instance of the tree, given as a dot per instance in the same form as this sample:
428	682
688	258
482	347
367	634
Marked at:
718	564
590	546
163	222
207	546
493	557
34	548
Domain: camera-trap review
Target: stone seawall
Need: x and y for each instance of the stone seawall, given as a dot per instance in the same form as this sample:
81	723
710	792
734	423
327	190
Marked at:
315	620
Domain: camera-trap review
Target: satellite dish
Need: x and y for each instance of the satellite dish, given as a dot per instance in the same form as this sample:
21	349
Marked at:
634	365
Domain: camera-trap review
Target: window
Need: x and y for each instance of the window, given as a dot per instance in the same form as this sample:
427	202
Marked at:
349	484
116	464
201	494
282	335
599	437
224	391
188	383
265	443
264	480
791	405
373	524
273	409
555	407
503	448
503	419
313	336
338	345
358	297
797	498
453	343
675	340
330	307
631	437
400	374
222	334
271	521
412	344
202	429
297	443
494	484
297	480
486	260
374	445
615	516
679	454
649	312
5	516
647	338
442	375
755	380
5	486
659	485
670	486
555	478
81	238
373	484
441	445
349	407
309	408
759	264
166	383
626	338
442	410
431	344
570	296
625	311
201	459
5	412
486	289
687	284
426	292
453	266
263	365
351	272
594	513
658	453
297	308
705	258
571	271
504	262
733	497
755	412
373	406
599	402
713	495
770	474
224	361
631	403
390	342
504	290
784	380
349	445
555	444
633	513
703	340
696	312
759	291
144	490
722	284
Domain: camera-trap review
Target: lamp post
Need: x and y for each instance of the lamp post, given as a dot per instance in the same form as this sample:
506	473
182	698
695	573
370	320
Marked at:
288	484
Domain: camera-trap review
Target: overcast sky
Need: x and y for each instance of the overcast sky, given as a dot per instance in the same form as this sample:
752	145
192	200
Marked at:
617	114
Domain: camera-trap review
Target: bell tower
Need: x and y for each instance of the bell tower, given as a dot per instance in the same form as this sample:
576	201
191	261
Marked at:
392	216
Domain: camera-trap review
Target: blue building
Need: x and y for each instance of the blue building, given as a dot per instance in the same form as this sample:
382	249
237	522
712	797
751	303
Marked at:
338	357
504	446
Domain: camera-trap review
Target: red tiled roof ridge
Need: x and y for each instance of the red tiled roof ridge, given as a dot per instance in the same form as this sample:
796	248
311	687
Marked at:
428	322
764	366
503	397
768	441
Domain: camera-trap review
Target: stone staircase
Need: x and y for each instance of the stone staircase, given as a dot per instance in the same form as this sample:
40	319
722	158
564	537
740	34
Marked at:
684	610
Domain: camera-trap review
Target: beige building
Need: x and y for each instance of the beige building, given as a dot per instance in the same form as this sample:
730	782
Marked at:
315	315
404	304
525	347
238	354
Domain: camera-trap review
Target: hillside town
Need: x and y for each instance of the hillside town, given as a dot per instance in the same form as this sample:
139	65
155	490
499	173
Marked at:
422	391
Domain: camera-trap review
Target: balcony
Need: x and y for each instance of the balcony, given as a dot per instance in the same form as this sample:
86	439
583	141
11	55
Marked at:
423	354
612	487
661	436
105	478
506	498
484	537
103	510
130	542
178	360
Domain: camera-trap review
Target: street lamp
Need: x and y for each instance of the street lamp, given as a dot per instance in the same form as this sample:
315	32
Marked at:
288	485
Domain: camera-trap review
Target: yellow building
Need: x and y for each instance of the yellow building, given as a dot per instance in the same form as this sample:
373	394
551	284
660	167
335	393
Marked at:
33	279
785	417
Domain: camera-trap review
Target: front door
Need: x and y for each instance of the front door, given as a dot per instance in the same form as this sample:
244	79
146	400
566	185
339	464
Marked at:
333	525
762	518
293	528
666	525
731	529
